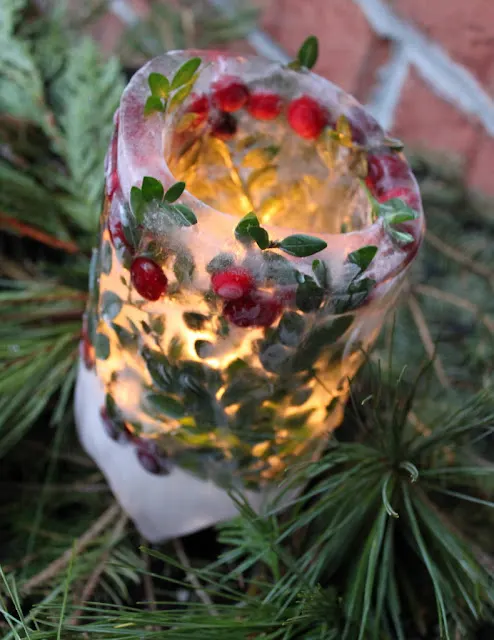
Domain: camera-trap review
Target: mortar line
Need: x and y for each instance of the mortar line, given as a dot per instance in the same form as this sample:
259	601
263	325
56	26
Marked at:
450	80
386	93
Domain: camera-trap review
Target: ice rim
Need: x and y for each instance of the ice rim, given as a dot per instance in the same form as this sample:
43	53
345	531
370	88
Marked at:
149	130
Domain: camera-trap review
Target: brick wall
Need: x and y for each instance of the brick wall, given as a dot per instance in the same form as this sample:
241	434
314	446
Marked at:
425	68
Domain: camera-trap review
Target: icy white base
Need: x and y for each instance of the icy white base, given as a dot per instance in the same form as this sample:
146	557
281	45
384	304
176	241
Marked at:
161	507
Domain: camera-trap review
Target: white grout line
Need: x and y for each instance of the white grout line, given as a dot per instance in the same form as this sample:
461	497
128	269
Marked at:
449	80
124	11
386	93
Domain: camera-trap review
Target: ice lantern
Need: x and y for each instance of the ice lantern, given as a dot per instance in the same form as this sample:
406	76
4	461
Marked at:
225	320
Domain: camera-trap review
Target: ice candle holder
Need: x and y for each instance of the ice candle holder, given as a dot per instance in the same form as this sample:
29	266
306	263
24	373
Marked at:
227	315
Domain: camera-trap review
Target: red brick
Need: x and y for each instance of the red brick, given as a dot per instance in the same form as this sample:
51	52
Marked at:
108	31
424	120
465	28
480	173
344	35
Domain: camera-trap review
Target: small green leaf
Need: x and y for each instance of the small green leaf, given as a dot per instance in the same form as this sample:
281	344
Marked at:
182	215
153	105
151	189
146	327
181	95
321	271
159	85
185	73
184	267
291	328
111	407
396	206
93	274
363	257
157	325
137	204
364	285
106	258
174	192
195	321
401	237
301	245
398	218
393	143
175	349
274	357
164	405
220	262
111	305
319	339
308	52
279	269
242	229
309	295
204	348
125	337
160	369
260	236
101	346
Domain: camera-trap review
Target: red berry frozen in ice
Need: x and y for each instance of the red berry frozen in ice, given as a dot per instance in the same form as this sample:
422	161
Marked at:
199	106
384	169
409	196
115	227
148	278
223	126
151	459
375	171
233	283
229	94
254	310
264	105
116	430
111	184
307	117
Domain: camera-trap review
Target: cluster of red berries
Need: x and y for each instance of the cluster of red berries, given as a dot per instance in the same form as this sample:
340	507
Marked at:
147	452
229	94
386	168
244	305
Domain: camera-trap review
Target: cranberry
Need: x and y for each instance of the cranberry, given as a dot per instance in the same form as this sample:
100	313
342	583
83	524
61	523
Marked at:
223	126
148	278
112	184
152	460
375	171
230	94
306	117
200	108
233	283
264	105
115	430
254	310
383	169
409	196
